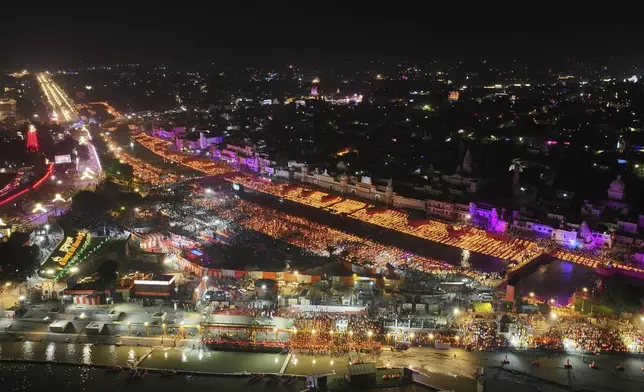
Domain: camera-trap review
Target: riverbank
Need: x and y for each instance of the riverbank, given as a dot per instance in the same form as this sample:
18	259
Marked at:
444	369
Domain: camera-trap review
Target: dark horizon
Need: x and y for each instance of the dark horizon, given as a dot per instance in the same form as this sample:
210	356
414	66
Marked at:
249	41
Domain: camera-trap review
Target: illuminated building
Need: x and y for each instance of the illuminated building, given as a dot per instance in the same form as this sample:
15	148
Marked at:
5	231
7	108
32	139
453	96
245	156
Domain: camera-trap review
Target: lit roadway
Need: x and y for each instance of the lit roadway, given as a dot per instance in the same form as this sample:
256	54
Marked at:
64	110
61	105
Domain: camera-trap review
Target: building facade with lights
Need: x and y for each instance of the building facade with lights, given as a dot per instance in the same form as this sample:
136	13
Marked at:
7	108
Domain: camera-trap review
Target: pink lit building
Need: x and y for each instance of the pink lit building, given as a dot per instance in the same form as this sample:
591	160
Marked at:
245	157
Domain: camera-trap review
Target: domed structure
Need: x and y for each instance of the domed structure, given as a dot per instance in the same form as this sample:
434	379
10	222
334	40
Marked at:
617	189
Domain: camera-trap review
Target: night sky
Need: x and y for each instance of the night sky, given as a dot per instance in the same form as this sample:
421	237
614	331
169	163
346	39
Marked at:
266	35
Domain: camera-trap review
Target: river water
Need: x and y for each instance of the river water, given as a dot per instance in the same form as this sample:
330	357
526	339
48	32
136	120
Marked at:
558	279
449	369
69	352
42	377
39	366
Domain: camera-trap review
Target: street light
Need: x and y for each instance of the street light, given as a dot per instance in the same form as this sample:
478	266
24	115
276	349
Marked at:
22	298
585	289
73	270
531	294
369	334
553	316
456	311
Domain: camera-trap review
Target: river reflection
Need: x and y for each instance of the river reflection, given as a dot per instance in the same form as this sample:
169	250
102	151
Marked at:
559	280
69	352
50	352
87	354
27	350
183	358
205	360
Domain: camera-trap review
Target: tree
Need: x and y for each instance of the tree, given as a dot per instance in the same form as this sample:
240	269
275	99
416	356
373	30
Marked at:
620	295
17	260
64	147
89	203
123	128
116	169
107	273
126	172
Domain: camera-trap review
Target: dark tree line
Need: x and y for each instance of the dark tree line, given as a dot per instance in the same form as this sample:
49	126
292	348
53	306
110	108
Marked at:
18	261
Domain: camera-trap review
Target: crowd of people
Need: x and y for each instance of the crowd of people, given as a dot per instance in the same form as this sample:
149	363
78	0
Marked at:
515	248
588	337
321	239
144	171
165	149
473	239
592	260
335	334
482	335
565	335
